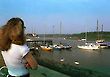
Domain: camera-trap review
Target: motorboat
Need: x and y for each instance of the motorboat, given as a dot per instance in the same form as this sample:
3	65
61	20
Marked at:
57	47
67	46
102	44
60	47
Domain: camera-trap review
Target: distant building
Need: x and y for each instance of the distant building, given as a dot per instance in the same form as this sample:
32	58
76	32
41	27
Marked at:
31	35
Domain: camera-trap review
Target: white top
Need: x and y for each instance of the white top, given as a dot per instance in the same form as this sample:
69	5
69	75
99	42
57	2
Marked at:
14	59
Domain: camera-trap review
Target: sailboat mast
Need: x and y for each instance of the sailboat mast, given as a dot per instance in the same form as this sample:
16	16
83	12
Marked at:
86	36
60	27
60	30
102	28
102	31
53	29
97	30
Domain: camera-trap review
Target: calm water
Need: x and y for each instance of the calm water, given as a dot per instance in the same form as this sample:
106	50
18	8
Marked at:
98	60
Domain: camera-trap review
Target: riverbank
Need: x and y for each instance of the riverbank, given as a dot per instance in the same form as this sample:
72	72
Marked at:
91	36
46	72
70	70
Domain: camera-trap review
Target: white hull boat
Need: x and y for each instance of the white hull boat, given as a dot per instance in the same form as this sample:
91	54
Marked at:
89	46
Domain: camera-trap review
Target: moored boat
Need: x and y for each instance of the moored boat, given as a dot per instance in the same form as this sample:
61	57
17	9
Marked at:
46	48
60	47
57	47
90	46
102	44
67	46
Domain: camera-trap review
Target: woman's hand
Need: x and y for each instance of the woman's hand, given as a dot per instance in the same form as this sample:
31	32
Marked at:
31	61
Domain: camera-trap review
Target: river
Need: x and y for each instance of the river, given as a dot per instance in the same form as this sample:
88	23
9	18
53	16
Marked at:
97	60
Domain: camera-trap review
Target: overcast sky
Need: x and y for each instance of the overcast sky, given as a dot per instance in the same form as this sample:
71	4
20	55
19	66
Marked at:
45	16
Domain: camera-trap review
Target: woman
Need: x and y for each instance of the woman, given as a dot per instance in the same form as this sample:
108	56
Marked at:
14	50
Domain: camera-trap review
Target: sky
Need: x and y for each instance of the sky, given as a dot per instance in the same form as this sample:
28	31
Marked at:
57	16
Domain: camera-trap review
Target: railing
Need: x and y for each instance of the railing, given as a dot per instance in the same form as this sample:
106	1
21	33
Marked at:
3	71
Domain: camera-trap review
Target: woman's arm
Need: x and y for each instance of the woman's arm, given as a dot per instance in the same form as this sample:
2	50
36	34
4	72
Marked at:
31	61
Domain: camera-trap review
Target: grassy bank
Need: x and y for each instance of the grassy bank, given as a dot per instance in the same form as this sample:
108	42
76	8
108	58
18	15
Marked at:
91	36
70	70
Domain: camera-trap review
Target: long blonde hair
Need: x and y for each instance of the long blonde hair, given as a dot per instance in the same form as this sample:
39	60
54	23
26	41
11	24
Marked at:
12	32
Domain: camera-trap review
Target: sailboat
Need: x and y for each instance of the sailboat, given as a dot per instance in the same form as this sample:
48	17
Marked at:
100	41
90	46
45	46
